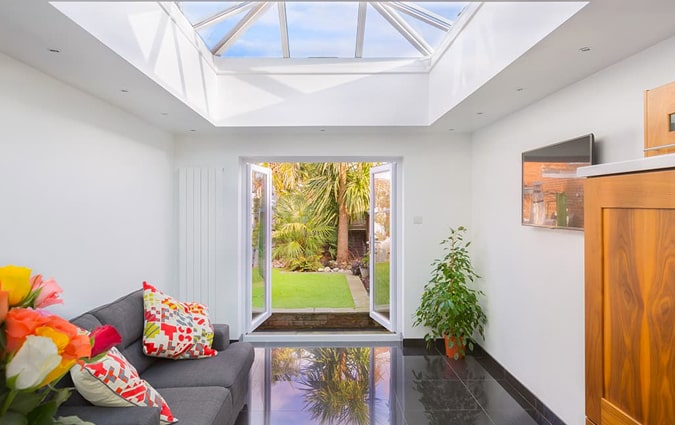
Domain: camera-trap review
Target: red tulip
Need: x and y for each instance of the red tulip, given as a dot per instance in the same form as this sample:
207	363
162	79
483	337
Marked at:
104	338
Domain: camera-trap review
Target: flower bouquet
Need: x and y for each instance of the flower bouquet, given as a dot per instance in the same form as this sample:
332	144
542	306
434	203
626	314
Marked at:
38	348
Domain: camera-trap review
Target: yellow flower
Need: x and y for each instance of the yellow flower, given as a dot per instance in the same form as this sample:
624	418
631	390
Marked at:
16	281
60	339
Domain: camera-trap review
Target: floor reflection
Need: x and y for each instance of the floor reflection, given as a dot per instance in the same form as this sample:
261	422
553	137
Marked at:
376	385
323	385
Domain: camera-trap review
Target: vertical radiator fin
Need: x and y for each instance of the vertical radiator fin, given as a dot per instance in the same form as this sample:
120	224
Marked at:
200	224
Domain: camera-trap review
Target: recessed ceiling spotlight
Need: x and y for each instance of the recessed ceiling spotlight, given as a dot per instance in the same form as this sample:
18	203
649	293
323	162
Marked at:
54	50
585	49
479	113
124	91
452	129
520	89
164	113
192	130
322	130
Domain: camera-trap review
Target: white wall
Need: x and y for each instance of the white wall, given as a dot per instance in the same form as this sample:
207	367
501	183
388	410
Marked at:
436	186
86	190
533	277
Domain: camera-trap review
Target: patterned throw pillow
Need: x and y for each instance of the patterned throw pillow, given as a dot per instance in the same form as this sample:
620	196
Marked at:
114	382
174	329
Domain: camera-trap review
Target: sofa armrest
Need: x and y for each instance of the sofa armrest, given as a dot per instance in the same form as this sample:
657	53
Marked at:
133	415
221	336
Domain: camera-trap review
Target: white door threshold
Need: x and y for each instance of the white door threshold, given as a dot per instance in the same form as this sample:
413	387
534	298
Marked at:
322	337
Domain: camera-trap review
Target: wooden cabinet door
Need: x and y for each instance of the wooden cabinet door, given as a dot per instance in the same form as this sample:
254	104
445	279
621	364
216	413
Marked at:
630	299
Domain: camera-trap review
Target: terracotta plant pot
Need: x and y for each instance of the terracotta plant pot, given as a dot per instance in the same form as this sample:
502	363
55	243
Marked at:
453	352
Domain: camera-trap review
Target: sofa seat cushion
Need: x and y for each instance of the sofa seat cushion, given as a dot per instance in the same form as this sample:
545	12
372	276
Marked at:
113	415
229	369
200	405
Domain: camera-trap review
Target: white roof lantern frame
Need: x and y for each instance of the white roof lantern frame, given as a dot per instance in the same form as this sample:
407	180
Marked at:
391	11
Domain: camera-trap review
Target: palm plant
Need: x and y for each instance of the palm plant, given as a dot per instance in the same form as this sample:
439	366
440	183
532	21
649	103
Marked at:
297	234
288	176
286	363
337	385
339	192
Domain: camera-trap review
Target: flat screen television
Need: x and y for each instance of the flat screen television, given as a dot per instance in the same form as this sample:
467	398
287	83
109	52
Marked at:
553	195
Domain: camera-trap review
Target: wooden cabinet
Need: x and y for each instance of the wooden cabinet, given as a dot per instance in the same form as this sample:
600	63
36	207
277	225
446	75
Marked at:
630	298
660	120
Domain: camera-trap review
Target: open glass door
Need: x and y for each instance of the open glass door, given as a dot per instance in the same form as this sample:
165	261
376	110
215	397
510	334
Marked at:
382	245
259	257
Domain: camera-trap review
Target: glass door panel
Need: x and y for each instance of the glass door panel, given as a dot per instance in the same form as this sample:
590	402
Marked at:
382	241
260	245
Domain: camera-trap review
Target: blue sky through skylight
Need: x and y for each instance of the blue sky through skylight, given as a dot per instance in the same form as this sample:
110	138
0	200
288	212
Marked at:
322	29
316	29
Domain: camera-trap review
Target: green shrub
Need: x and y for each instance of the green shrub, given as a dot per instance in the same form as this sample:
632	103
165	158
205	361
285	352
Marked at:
304	264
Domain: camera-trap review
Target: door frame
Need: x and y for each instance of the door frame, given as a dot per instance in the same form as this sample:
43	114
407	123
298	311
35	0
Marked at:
397	332
252	323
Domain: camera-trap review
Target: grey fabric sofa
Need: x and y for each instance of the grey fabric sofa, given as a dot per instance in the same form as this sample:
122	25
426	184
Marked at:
209	391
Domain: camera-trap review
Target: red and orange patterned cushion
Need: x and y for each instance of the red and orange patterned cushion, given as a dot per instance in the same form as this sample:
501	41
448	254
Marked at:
175	329
114	382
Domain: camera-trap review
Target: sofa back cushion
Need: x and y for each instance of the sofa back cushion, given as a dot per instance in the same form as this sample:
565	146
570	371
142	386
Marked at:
126	315
86	321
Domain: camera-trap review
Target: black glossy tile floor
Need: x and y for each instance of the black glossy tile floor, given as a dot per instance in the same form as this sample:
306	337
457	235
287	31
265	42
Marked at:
377	385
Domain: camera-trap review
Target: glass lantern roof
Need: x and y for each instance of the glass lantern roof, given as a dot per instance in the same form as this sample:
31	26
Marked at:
322	29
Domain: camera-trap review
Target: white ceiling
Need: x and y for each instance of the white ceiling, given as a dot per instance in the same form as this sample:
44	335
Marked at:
613	29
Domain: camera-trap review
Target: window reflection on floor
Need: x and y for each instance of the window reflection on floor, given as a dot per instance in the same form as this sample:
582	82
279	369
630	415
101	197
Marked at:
315	385
378	385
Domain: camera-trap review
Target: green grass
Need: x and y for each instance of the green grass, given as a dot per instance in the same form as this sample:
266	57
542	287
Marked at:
305	290
258	290
382	283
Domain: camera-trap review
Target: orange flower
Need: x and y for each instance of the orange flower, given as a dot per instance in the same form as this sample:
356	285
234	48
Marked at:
21	322
70	342
79	345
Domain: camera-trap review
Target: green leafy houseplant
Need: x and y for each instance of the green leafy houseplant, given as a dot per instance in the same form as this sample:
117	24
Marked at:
449	306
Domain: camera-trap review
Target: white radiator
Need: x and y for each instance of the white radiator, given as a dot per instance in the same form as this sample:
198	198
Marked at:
201	228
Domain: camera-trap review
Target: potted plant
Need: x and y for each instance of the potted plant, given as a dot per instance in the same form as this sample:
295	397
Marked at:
449	307
364	268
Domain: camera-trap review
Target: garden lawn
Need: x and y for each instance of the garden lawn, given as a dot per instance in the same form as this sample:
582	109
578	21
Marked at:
382	283
306	290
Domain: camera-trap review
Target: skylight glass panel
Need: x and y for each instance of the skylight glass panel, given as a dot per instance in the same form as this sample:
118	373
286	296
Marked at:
261	39
431	34
212	34
322	29
319	29
382	40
